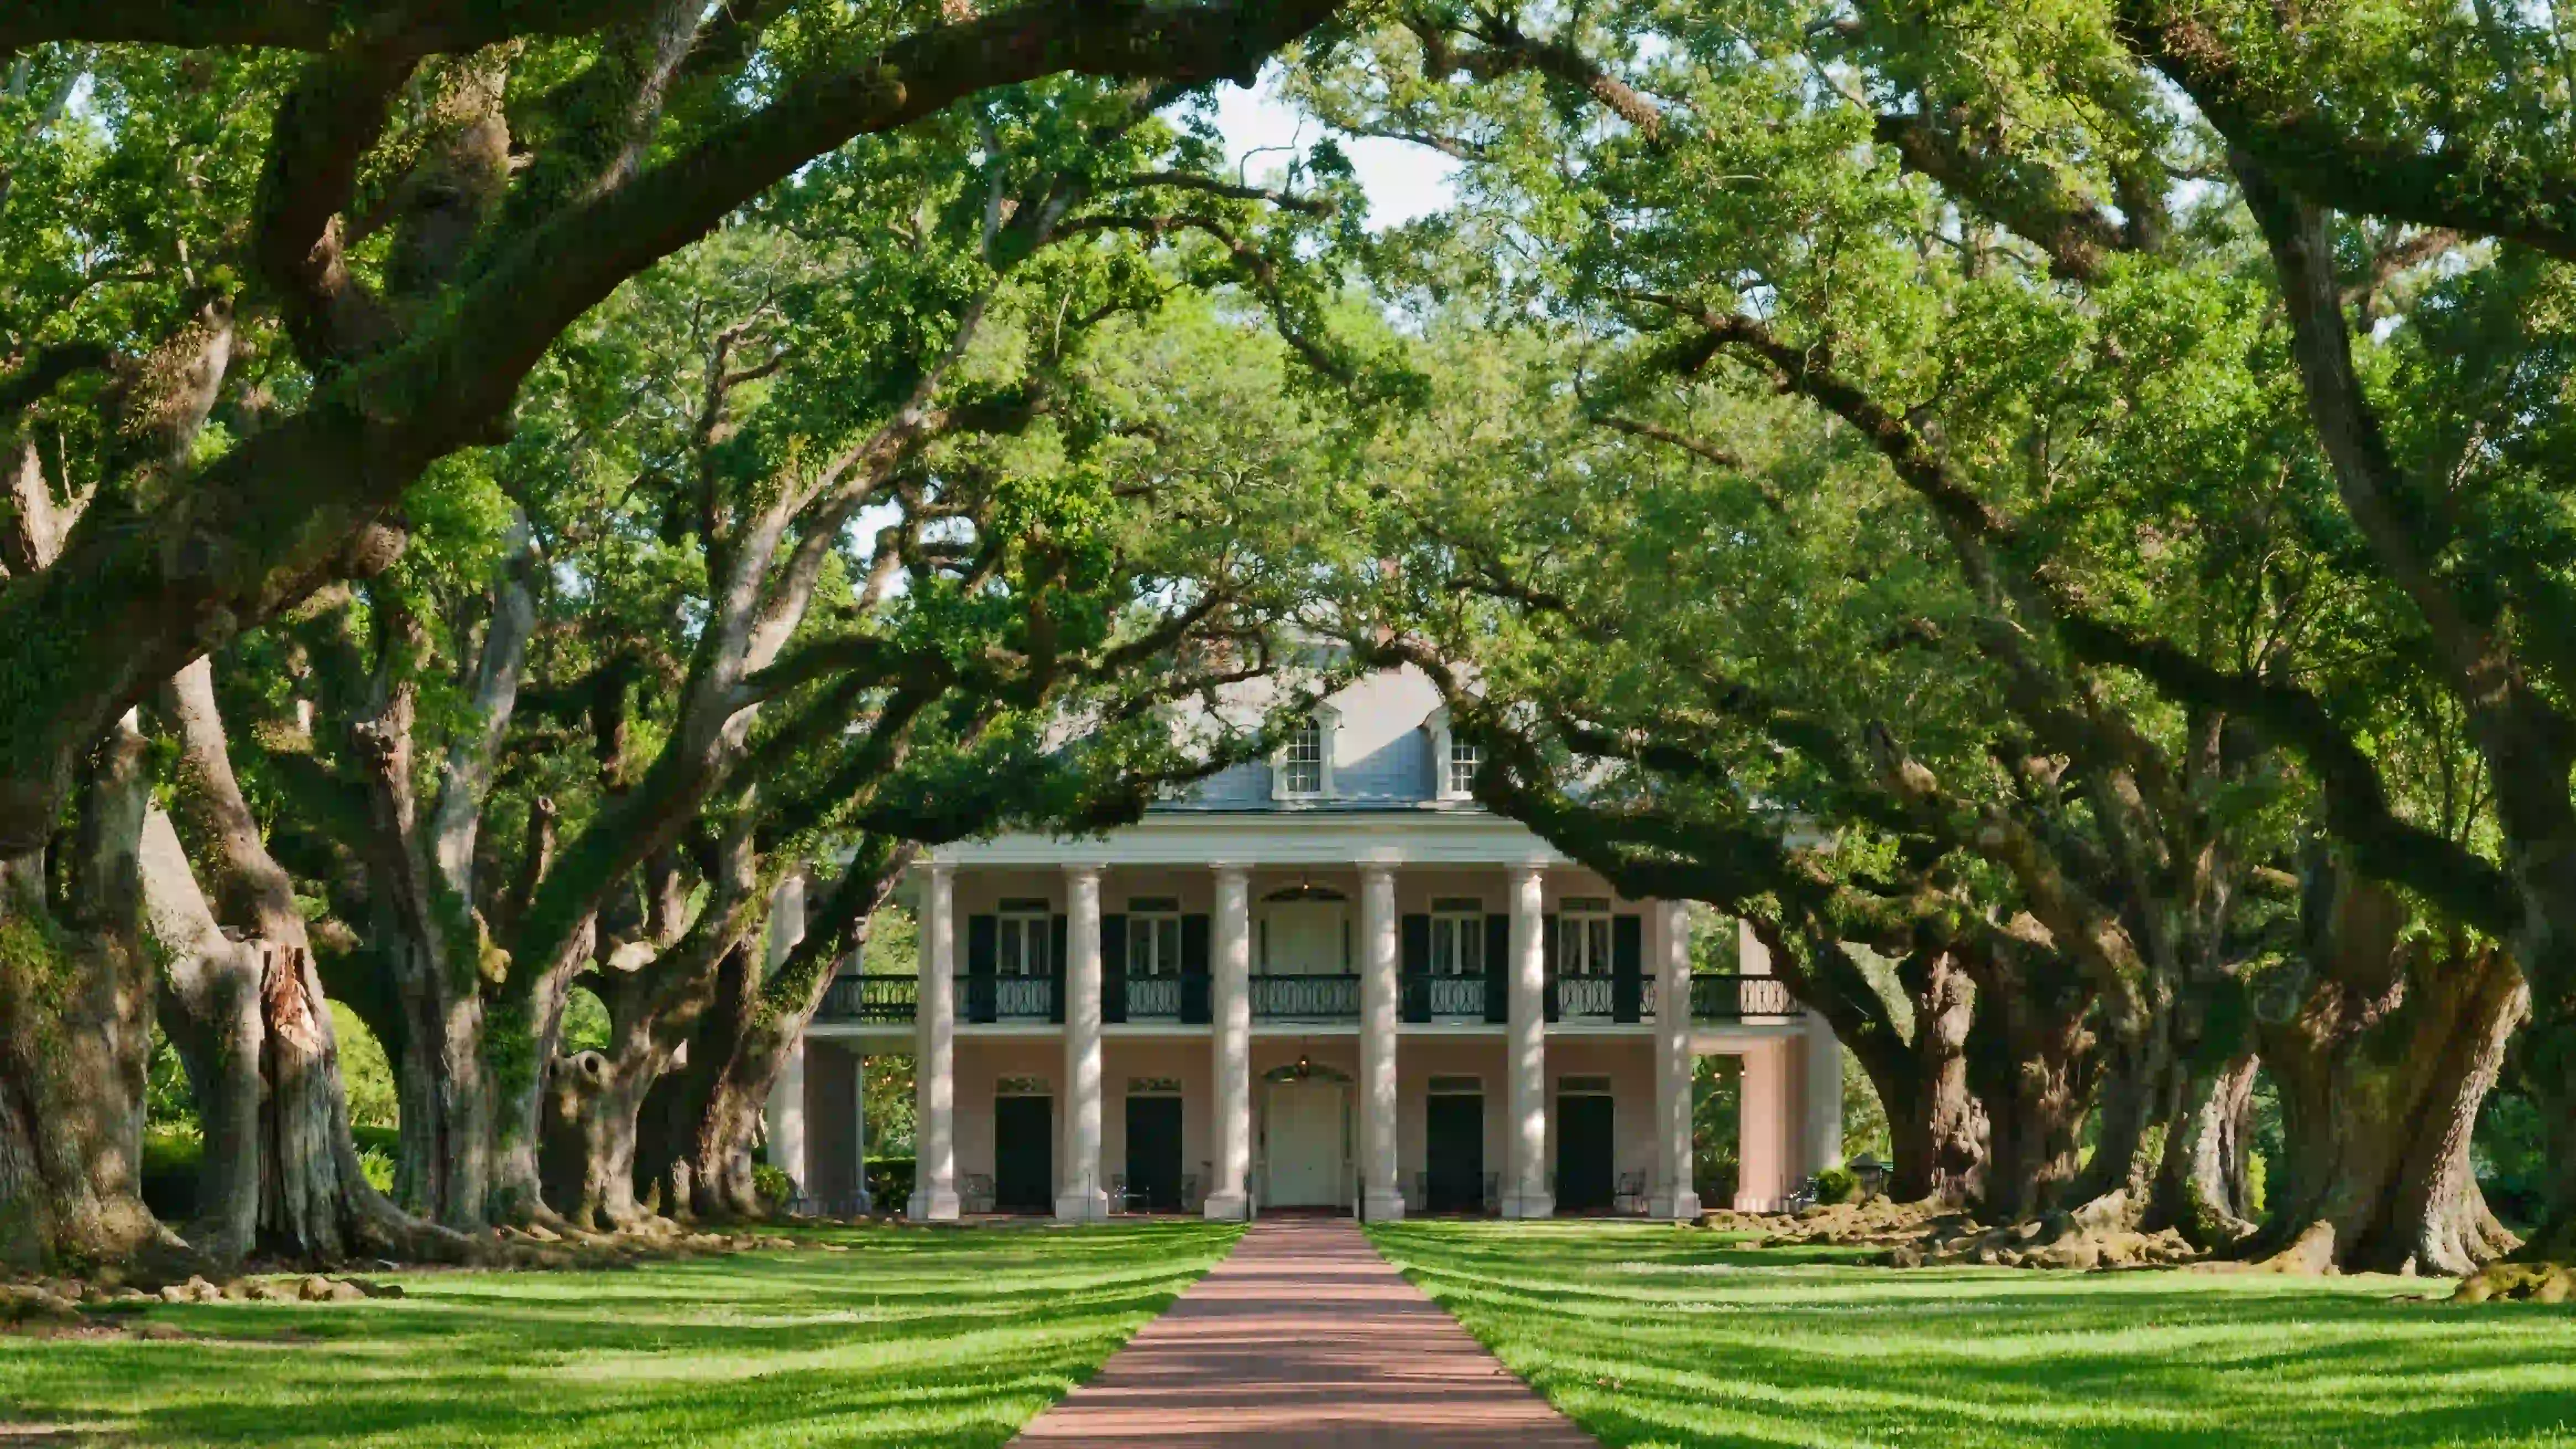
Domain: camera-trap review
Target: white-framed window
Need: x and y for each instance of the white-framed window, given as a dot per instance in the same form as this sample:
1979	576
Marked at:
1153	936
1457	936
1025	936
1453	760
1462	762
1303	760
1583	936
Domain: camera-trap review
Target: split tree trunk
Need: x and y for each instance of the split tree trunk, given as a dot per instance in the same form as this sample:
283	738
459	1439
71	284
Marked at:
702	1120
247	1012
596	1099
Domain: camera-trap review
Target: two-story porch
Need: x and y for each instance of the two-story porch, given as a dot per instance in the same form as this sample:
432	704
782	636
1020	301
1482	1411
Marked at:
1379	1011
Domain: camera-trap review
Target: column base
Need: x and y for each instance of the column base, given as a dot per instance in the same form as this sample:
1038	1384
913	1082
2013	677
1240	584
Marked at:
1082	1207
1227	1207
932	1205
1674	1207
866	1203
1382	1207
1526	1206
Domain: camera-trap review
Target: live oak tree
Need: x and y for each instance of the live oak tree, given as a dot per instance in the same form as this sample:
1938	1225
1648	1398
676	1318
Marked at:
1741	204
439	194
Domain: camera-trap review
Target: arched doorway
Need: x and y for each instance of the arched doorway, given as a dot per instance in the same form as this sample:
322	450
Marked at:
1305	1141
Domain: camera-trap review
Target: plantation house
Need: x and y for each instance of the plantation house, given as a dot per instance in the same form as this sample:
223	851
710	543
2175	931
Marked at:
1330	980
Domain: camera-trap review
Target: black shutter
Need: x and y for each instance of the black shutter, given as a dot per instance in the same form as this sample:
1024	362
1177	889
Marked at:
1414	978
1055	971
1194	970
1547	955
1113	968
983	946
1498	969
1627	966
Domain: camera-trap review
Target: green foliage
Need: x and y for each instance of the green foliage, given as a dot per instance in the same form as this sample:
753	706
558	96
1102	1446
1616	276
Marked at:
585	1022
773	1185
169	1100
890	1181
2510	1155
365	1072
1836	1184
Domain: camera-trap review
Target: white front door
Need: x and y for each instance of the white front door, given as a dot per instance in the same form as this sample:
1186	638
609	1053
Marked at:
1305	939
1303	1151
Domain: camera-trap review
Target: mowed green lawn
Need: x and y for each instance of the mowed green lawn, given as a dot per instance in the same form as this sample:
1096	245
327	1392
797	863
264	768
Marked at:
923	1338
1671	1337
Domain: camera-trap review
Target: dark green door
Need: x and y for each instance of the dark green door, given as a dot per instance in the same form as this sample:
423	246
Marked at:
1583	1178
1154	1152
1024	1154
1454	1154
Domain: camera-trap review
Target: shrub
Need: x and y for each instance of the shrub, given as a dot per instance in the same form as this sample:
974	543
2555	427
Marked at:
1836	1184
890	1182
773	1185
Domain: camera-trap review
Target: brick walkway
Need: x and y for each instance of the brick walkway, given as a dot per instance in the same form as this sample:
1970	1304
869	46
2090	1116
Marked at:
1305	1336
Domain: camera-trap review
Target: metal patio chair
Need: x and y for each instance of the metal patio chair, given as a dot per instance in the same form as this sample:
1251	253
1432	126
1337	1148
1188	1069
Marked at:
1629	1196
1124	1199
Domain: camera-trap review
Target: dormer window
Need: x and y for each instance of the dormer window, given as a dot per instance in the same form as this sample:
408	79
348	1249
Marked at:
1453	760
1461	781
1302	760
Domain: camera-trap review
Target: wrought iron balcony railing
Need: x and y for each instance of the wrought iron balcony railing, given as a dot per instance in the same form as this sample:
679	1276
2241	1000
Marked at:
1734	998
871	1000
1429	998
1305	998
1584	998
1153	998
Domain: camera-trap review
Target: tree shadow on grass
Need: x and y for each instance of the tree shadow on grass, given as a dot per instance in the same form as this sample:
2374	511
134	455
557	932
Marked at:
942	1340
1659	1337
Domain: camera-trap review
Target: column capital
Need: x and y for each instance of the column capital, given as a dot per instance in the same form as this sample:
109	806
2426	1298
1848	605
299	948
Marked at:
937	869
1372	870
1082	872
1522	874
1226	868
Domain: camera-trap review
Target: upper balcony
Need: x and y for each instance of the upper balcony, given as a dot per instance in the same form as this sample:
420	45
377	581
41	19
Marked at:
1423	999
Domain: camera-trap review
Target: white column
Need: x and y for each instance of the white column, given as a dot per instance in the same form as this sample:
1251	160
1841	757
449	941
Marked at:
1752	958
1525	1189
787	1094
1824	1096
1230	1012
934	1063
1763	1137
1675	1195
859	1129
1381	1199
1079	1196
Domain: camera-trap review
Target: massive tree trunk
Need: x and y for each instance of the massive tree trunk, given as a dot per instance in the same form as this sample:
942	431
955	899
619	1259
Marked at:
2382	1067
2032	1063
703	1119
657	991
247	1012
76	989
2201	1186
1938	1131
